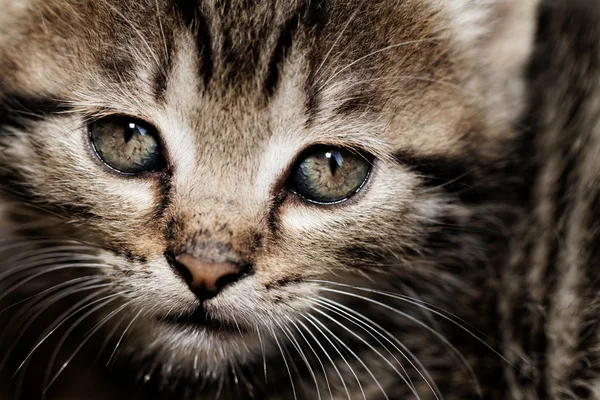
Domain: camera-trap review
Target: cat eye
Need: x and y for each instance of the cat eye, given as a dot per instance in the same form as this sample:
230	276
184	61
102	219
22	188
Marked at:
126	144
327	175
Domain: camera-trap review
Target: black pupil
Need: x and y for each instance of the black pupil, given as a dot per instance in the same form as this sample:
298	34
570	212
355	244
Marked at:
335	161
130	130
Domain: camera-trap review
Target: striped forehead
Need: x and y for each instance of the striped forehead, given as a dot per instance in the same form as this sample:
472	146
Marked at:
240	44
241	47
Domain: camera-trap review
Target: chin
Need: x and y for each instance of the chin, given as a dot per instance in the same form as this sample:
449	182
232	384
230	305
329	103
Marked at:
210	339
167	353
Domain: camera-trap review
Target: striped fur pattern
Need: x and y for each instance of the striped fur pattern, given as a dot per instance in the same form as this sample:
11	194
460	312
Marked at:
462	270
549	314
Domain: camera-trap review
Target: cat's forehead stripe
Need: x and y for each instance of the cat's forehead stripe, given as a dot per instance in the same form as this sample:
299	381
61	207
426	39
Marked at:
286	36
243	42
193	16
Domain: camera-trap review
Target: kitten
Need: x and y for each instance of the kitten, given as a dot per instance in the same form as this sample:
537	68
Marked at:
274	200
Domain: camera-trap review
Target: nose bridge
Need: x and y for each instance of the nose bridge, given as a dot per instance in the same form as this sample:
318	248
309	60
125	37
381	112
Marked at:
217	230
214	242
220	188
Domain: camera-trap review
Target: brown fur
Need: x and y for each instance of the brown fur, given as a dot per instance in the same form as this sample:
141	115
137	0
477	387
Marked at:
237	89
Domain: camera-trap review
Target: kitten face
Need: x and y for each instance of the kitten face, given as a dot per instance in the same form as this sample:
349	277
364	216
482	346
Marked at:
237	94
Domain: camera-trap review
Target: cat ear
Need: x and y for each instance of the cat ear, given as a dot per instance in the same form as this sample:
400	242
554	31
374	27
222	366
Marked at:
497	32
495	39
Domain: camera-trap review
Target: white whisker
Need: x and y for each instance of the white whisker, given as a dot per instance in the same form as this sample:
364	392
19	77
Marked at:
329	358
83	342
262	347
404	377
55	326
404	351
58	322
298	348
309	318
109	336
286	363
426	306
315	354
422	324
44	272
356	356
122	336
54	288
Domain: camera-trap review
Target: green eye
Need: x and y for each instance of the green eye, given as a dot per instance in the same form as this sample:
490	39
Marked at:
328	175
126	144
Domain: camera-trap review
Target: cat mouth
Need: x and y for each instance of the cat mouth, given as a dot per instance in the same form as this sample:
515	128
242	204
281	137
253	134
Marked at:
200	319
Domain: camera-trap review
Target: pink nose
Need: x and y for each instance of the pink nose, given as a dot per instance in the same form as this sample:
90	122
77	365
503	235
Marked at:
207	279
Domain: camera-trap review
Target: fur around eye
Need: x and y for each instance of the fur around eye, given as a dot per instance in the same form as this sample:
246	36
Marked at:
328	175
126	145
